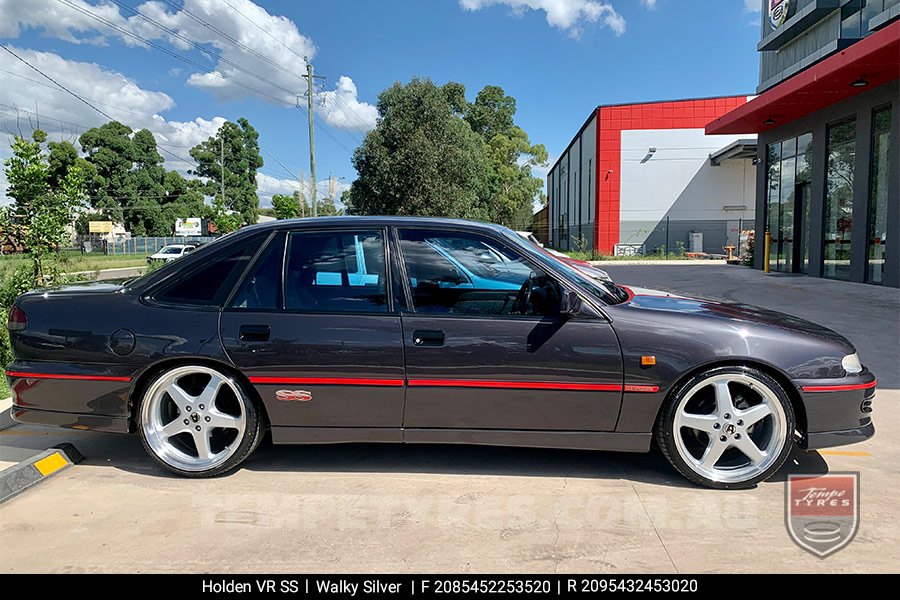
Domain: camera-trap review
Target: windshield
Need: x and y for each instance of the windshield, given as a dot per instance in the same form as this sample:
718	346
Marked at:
607	292
171	250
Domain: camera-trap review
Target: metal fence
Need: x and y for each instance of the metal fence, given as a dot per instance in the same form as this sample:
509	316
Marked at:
134	245
666	238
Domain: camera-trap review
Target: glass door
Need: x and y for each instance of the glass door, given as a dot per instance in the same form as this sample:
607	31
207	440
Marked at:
800	247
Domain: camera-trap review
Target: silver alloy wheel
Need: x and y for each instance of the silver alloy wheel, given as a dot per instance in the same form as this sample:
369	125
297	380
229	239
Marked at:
730	444
171	415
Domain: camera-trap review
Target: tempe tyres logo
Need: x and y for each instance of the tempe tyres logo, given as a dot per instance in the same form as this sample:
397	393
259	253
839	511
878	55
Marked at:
822	511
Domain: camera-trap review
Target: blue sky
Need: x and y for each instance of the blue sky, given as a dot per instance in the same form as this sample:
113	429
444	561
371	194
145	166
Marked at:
558	58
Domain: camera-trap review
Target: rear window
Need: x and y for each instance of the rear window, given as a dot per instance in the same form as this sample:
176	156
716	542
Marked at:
210	283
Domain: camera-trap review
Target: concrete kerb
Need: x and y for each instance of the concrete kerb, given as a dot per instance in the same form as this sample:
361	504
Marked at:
28	473
675	262
6	420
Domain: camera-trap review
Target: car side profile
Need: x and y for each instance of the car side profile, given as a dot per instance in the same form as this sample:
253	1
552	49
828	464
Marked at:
420	330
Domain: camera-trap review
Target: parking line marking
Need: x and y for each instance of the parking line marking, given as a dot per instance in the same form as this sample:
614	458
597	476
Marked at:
50	464
844	453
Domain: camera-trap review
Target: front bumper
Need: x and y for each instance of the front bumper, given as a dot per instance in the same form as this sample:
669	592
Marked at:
838	411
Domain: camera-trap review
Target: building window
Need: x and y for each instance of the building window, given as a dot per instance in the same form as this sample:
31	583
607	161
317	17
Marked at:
851	20
878	194
787	177
839	199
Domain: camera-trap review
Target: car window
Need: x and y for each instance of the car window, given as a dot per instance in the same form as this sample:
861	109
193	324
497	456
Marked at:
210	284
261	288
170	250
336	272
461	273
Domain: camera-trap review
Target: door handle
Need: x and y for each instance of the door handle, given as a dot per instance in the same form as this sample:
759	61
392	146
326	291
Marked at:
254	333
428	337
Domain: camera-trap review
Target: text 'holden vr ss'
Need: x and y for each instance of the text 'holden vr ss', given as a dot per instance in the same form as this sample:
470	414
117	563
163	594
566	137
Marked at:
364	329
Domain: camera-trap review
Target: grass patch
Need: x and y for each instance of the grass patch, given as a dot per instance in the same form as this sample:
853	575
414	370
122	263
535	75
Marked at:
592	256
75	262
4	388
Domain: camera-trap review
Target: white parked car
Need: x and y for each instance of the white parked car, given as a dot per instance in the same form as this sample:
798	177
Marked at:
530	237
170	252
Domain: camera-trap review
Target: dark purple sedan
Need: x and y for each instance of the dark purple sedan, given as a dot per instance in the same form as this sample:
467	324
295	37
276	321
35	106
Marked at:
365	329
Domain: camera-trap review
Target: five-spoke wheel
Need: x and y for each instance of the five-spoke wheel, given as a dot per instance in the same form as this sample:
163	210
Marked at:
197	421
729	427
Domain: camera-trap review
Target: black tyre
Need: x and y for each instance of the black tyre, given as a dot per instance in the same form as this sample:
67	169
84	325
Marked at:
197	421
727	428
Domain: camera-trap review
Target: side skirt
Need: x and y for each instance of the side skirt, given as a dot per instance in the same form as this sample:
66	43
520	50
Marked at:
573	440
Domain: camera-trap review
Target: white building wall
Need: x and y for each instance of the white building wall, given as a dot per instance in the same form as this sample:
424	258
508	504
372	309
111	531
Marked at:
678	182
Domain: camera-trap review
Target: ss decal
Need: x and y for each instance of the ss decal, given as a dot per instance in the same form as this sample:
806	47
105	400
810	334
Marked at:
293	395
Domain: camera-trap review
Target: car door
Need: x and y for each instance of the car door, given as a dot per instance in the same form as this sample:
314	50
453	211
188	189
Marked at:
314	329
479	358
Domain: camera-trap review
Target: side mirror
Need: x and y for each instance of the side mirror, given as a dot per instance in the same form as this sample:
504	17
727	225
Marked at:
570	304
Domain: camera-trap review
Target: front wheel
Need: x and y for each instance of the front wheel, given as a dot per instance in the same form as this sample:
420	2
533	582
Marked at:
727	428
197	421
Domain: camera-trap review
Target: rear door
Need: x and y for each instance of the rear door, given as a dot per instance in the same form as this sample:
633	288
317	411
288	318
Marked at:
480	356
313	327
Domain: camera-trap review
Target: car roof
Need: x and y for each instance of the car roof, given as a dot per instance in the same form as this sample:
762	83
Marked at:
374	221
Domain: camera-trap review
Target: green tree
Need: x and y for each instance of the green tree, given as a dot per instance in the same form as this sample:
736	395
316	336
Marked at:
224	218
421	158
40	214
239	143
285	207
110	150
511	156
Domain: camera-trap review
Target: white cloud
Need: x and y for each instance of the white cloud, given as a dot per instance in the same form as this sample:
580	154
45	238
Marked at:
28	101
341	107
61	21
269	185
568	15
752	6
270	53
22	87
651	4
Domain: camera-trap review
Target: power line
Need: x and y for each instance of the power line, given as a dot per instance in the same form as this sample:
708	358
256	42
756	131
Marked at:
234	41
58	84
264	30
203	50
193	63
268	60
161	147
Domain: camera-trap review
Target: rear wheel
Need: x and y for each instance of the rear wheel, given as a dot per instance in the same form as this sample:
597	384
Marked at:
727	428
197	421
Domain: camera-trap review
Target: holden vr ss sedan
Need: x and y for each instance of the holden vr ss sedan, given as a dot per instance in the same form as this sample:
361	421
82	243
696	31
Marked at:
371	329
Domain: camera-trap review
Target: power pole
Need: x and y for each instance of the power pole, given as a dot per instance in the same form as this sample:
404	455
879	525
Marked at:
312	139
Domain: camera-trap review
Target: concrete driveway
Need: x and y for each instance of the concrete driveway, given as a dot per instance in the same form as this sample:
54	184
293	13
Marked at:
374	508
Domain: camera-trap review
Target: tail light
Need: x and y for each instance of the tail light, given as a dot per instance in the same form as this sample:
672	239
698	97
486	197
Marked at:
18	320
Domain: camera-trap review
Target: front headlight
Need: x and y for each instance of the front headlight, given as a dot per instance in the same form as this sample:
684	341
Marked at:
851	364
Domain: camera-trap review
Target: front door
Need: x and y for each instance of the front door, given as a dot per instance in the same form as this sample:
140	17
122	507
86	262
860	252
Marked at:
801	228
486	346
313	328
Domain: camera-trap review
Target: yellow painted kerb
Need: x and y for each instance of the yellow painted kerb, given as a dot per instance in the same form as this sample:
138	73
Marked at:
51	464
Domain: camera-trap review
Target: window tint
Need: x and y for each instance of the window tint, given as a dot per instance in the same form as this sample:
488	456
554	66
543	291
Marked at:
209	284
460	273
261	288
336	271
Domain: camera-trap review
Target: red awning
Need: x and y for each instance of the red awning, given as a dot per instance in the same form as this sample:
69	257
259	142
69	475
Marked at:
874	59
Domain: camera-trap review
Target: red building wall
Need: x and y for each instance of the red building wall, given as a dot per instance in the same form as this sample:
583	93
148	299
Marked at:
611	121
